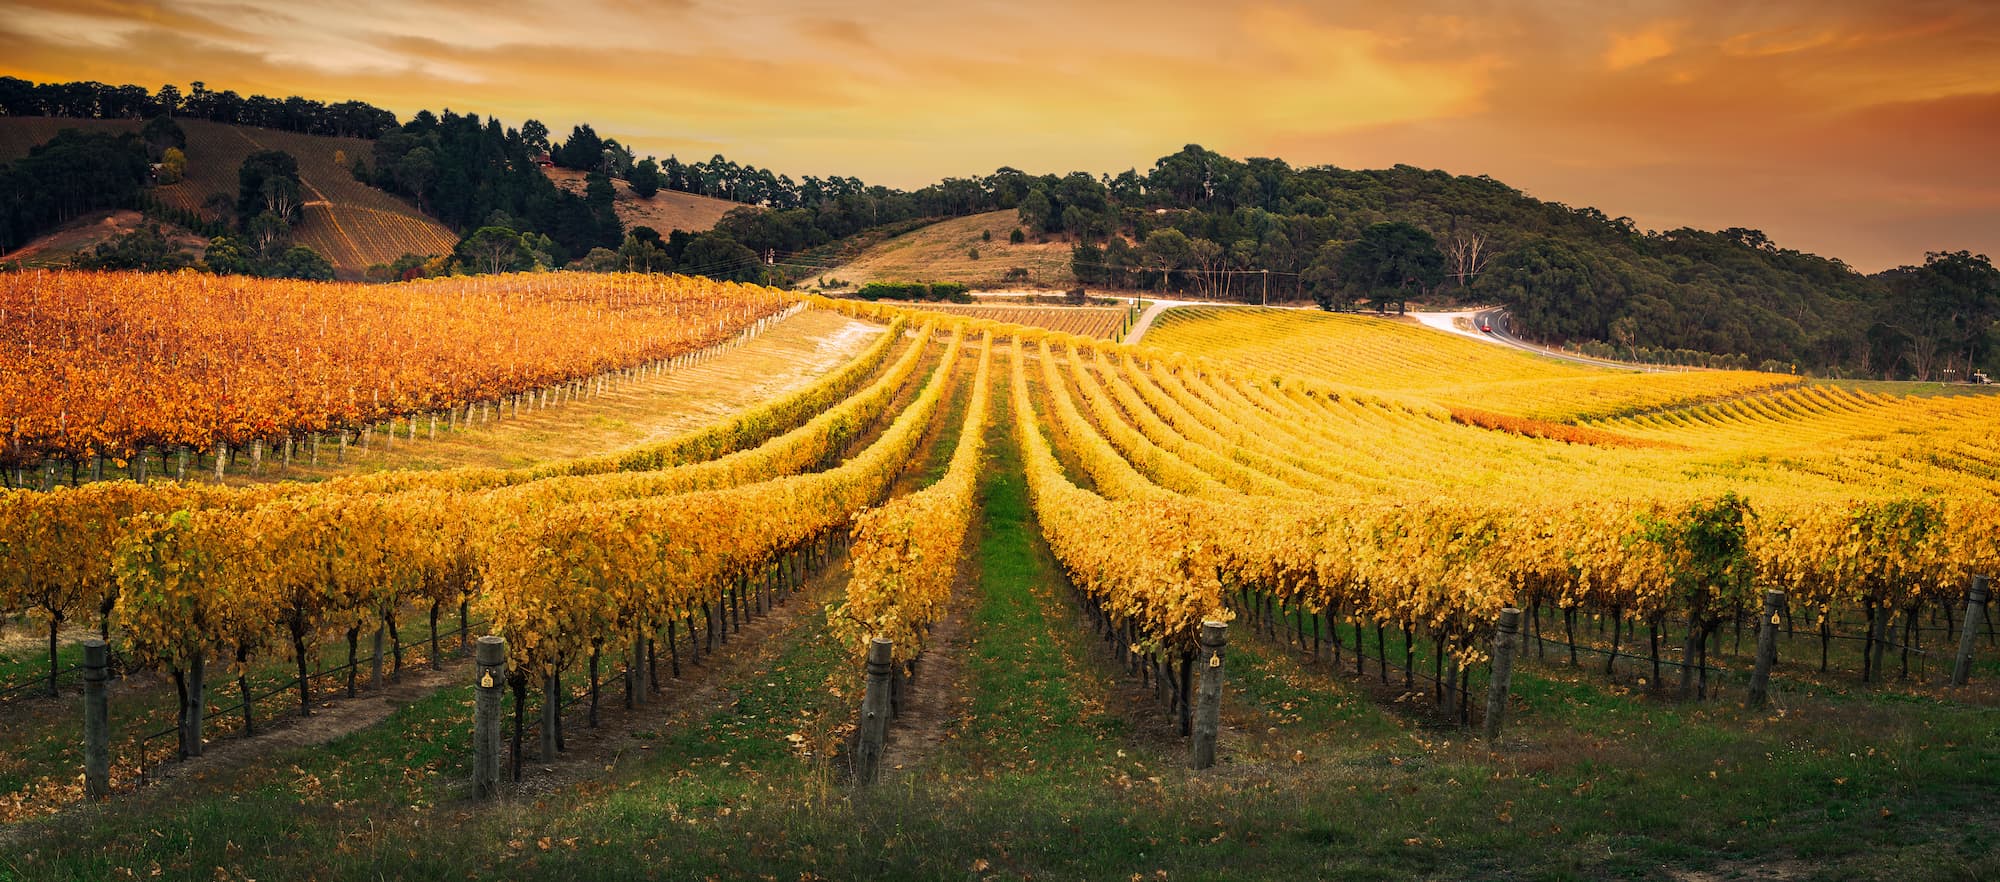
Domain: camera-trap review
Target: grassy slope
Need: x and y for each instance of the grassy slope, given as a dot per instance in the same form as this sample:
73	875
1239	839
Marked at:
940	252
353	224
666	211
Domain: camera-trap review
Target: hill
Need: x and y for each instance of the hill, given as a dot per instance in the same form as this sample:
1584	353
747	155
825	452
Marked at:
942	252
667	211
63	244
353	224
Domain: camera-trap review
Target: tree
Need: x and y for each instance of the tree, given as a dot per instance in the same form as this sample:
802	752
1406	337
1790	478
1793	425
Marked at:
268	181
583	151
535	136
173	166
267	231
718	256
494	250
417	170
1554	292
227	256
599	195
1164	252
645	178
599	260
1946	310
643	254
146	248
1390	261
300	262
1036	212
1323	278
1468	254
161	134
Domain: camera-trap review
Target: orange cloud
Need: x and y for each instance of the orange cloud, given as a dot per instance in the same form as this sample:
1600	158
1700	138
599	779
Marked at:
1850	127
1651	43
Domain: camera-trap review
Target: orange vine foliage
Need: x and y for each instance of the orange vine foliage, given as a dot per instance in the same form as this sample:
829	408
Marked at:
106	364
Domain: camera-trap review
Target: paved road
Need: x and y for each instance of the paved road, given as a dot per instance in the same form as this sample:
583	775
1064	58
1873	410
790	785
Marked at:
1153	310
1497	319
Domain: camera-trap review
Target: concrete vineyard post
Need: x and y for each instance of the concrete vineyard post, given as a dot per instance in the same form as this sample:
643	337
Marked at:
490	673
1975	615
874	712
1506	636
1767	648
96	719
1208	697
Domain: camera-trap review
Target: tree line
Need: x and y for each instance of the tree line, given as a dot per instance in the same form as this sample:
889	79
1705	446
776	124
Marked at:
1196	223
1205	224
92	100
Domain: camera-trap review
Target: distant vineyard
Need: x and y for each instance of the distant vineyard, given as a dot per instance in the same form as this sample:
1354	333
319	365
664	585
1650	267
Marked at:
1099	322
353	224
108	364
1389	356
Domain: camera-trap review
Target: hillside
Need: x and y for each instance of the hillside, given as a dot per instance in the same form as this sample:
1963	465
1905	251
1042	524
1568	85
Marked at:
667	211
353	224
942	252
78	237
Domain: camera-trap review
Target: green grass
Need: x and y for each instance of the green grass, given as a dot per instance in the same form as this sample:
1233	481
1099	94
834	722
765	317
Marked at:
1911	388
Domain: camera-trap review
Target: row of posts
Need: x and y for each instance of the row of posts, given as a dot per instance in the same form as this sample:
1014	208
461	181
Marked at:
490	675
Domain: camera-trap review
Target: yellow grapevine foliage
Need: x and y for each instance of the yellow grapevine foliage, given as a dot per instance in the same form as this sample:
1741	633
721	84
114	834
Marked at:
1389	511
906	552
1147	560
58	545
1162	481
587	574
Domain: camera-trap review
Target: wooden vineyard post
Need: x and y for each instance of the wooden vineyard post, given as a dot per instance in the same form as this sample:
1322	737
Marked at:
375	667
874	712
551	717
1767	648
1975	614
491	677
1208	697
96	719
1505	636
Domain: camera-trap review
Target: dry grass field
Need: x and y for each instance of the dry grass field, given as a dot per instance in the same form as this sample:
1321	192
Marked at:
666	211
942	252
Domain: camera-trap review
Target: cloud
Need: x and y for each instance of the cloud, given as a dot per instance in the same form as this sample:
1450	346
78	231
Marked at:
1851	127
1651	43
842	33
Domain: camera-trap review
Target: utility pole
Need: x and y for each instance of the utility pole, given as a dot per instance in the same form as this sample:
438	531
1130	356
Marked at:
1267	287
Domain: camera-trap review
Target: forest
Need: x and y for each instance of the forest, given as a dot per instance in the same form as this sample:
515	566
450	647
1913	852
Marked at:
1197	223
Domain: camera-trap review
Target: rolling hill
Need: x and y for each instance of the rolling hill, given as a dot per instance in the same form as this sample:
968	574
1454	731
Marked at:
942	252
667	211
353	224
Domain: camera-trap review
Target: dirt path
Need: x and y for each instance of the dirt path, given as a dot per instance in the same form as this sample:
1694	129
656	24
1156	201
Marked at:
330	720
936	698
700	691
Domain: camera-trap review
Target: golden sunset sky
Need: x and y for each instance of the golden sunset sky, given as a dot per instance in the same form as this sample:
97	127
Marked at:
1866	131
